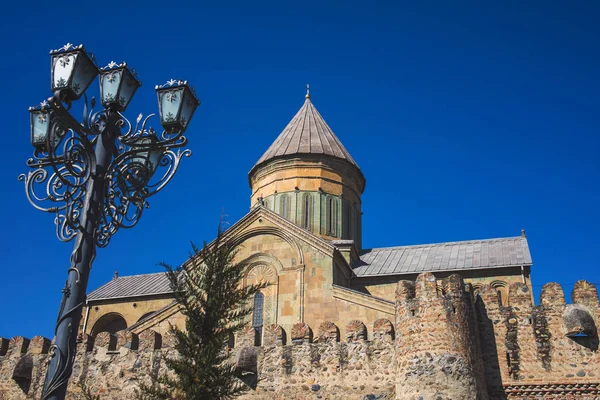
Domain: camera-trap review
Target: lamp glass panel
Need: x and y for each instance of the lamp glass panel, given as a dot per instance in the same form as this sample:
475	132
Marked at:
154	159
109	85
188	108
147	158
170	100
128	88
63	69
40	122
84	75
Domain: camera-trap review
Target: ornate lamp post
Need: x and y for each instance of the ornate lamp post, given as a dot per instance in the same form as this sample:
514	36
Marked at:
96	175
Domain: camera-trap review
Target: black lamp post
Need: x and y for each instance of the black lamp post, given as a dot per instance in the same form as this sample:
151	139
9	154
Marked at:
96	175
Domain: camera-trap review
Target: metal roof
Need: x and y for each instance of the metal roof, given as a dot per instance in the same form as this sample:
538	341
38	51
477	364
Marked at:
306	133
450	256
132	286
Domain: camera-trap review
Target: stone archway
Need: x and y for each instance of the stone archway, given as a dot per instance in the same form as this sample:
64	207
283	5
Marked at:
111	322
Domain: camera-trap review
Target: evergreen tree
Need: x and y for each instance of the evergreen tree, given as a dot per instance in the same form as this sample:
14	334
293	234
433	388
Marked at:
211	296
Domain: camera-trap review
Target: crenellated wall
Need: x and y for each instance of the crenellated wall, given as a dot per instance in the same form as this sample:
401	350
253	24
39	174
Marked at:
443	344
546	350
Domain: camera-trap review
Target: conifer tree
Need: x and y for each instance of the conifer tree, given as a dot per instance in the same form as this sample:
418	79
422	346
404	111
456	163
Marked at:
214	302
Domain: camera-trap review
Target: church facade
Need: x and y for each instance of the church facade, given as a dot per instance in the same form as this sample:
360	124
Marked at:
451	320
303	235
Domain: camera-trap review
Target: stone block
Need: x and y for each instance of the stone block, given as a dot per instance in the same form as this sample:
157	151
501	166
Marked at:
169	340
127	339
301	333
149	340
246	337
453	286
426	286
18	345
328	333
106	340
274	335
355	331
383	330
405	290
39	345
585	293
489	297
519	295
552	295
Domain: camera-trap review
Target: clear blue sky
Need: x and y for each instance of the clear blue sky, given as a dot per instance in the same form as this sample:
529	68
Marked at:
468	120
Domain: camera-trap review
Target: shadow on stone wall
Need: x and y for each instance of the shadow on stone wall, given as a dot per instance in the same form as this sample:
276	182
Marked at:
489	351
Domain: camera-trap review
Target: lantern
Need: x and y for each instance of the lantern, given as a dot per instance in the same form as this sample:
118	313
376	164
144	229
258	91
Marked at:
177	102
40	125
73	70
117	86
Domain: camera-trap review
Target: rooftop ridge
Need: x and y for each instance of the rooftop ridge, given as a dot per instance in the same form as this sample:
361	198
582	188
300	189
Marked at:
443	243
131	276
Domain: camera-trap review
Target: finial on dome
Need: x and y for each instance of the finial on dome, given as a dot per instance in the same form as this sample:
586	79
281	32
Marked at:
307	91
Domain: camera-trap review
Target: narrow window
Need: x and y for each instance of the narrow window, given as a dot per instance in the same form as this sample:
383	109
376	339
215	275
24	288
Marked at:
331	216
284	206
499	293
257	317
307	215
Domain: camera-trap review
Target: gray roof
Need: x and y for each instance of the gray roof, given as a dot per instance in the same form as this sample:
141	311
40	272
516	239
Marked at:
307	133
133	286
451	256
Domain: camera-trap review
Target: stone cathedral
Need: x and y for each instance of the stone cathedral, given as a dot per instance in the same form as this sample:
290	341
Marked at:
454	320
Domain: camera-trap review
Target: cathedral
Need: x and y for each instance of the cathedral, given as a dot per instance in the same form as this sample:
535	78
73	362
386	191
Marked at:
454	320
303	235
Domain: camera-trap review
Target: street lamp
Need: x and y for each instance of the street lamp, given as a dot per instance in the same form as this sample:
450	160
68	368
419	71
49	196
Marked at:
96	174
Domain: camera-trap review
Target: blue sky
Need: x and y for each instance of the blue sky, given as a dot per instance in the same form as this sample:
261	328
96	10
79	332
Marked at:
469	120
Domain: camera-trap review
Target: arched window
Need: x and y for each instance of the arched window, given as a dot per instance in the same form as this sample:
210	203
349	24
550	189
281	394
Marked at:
284	206
499	294
331	216
307	211
111	323
257	317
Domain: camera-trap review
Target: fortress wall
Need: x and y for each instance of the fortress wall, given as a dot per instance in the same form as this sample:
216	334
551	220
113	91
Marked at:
435	346
546	350
112	365
440	346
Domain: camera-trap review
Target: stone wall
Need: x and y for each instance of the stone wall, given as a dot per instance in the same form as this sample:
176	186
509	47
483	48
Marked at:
443	344
550	349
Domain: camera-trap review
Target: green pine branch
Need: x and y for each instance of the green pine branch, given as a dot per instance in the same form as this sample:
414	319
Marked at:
215	303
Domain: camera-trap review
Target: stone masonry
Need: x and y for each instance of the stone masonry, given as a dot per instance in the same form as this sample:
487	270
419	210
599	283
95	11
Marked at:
445	343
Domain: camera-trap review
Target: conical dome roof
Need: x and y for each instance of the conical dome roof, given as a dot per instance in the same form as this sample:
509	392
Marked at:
307	133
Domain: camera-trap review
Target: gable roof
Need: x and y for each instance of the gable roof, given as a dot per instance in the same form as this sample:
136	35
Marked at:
132	286
450	256
158	283
306	133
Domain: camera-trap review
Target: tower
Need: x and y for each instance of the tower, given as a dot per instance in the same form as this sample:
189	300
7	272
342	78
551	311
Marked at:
309	178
